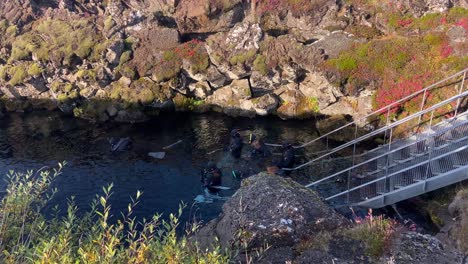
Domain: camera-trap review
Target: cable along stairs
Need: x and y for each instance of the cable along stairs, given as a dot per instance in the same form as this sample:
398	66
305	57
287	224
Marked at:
419	153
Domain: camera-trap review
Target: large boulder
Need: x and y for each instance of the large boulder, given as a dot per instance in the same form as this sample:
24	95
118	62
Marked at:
356	106
317	86
230	95
294	104
20	12
416	248
202	16
458	228
233	52
265	104
333	43
270	209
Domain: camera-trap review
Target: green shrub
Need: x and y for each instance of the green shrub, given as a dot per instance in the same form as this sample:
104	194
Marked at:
93	237
376	232
345	63
242	58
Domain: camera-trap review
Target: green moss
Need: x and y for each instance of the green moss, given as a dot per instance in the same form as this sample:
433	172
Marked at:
64	88
3	25
67	87
183	103
242	58
456	13
99	50
433	39
125	57
199	62
364	31
4	69
62	97
56	40
126	71
313	104
87	75
92	110
260	65
11	30
428	21
169	68
217	57
34	69
17	74
130	43
345	63
108	23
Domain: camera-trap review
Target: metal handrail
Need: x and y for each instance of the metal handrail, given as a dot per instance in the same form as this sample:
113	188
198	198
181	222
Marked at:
380	130
377	157
424	90
400	147
397	172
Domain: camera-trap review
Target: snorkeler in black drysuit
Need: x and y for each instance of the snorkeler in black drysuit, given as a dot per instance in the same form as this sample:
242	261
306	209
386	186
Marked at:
236	144
287	159
211	177
120	144
259	150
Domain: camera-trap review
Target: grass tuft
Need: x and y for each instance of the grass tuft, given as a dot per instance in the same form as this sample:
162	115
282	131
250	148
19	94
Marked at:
26	236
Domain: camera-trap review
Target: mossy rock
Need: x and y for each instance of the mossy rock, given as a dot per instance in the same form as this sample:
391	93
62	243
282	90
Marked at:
35	69
169	67
183	104
56	41
260	65
17	74
14	105
87	75
92	110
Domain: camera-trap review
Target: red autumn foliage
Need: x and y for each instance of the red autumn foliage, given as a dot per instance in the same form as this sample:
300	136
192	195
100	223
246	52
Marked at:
445	50
463	22
405	22
443	20
392	92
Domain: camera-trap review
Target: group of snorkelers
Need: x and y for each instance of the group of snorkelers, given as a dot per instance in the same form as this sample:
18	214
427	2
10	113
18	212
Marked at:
211	175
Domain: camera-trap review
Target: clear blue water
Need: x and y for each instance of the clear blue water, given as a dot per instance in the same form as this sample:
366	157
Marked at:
45	138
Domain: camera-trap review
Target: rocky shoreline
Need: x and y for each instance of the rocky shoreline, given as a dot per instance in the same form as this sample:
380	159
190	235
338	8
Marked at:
128	60
271	219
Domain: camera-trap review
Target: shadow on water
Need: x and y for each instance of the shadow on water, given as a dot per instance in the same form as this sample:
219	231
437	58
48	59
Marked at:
45	138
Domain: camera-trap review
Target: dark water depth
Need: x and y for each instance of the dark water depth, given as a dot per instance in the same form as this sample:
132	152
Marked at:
45	138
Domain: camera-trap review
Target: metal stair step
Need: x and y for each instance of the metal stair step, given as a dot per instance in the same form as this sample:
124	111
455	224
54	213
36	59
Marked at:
400	161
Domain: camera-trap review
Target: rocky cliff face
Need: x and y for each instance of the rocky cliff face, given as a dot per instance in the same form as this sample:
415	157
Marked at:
127	60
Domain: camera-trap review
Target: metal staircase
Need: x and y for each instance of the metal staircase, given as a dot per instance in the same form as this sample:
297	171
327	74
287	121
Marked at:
419	153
